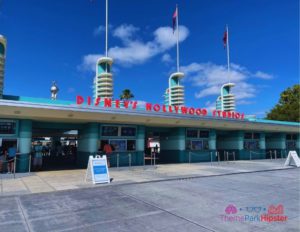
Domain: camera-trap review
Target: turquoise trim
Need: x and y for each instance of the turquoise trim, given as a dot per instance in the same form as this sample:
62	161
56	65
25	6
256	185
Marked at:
273	122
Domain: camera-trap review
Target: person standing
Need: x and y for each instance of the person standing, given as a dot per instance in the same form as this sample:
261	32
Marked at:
11	154
2	159
38	157
107	150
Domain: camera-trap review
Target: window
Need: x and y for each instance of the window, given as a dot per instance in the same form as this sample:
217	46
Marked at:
291	137
128	131
196	133
255	135
7	127
248	136
290	144
197	144
251	136
118	144
251	145
109	131
130	145
200	144
204	134
190	133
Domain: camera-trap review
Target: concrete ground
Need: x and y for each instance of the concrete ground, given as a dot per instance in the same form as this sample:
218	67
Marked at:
74	179
191	204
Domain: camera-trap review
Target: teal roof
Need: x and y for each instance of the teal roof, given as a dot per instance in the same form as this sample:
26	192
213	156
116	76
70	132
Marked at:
69	103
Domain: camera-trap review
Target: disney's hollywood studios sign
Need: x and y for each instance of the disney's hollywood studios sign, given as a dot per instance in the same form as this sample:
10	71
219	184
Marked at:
150	107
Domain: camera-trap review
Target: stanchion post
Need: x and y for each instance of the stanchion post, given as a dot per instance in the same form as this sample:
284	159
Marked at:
218	153
129	161
118	160
250	155
154	161
234	155
29	165
189	157
271	155
15	161
275	152
211	158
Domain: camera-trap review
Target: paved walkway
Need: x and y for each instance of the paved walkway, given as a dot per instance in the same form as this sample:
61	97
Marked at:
192	205
50	181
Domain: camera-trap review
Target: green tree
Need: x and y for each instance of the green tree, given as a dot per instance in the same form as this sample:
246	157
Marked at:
126	94
288	107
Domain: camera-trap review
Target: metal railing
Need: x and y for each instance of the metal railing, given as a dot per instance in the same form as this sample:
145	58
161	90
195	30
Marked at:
227	154
251	153
123	157
152	158
6	163
193	154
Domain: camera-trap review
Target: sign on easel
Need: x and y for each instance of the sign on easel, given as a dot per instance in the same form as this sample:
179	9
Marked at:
97	170
292	157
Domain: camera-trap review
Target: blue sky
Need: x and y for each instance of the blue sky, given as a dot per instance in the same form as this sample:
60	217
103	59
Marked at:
61	39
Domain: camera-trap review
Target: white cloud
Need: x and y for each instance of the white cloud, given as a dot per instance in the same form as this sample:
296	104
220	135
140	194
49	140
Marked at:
89	62
210	105
209	78
166	58
99	30
134	50
125	32
166	39
262	75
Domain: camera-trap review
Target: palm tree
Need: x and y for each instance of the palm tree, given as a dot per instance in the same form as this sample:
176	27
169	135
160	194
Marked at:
126	94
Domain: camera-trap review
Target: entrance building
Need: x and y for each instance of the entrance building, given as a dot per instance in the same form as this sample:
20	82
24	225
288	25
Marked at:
71	132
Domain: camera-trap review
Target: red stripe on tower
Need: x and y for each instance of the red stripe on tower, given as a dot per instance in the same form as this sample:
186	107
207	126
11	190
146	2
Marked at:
174	20
225	39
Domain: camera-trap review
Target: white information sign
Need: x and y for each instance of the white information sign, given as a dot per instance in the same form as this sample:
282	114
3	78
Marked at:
292	159
97	170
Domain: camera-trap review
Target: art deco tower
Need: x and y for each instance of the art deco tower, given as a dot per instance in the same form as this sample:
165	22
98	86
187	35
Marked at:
2	62
103	82
174	95
226	101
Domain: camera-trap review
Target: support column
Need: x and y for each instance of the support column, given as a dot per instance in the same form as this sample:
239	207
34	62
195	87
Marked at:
25	138
212	144
212	140
140	146
87	143
262	145
173	146
262	141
